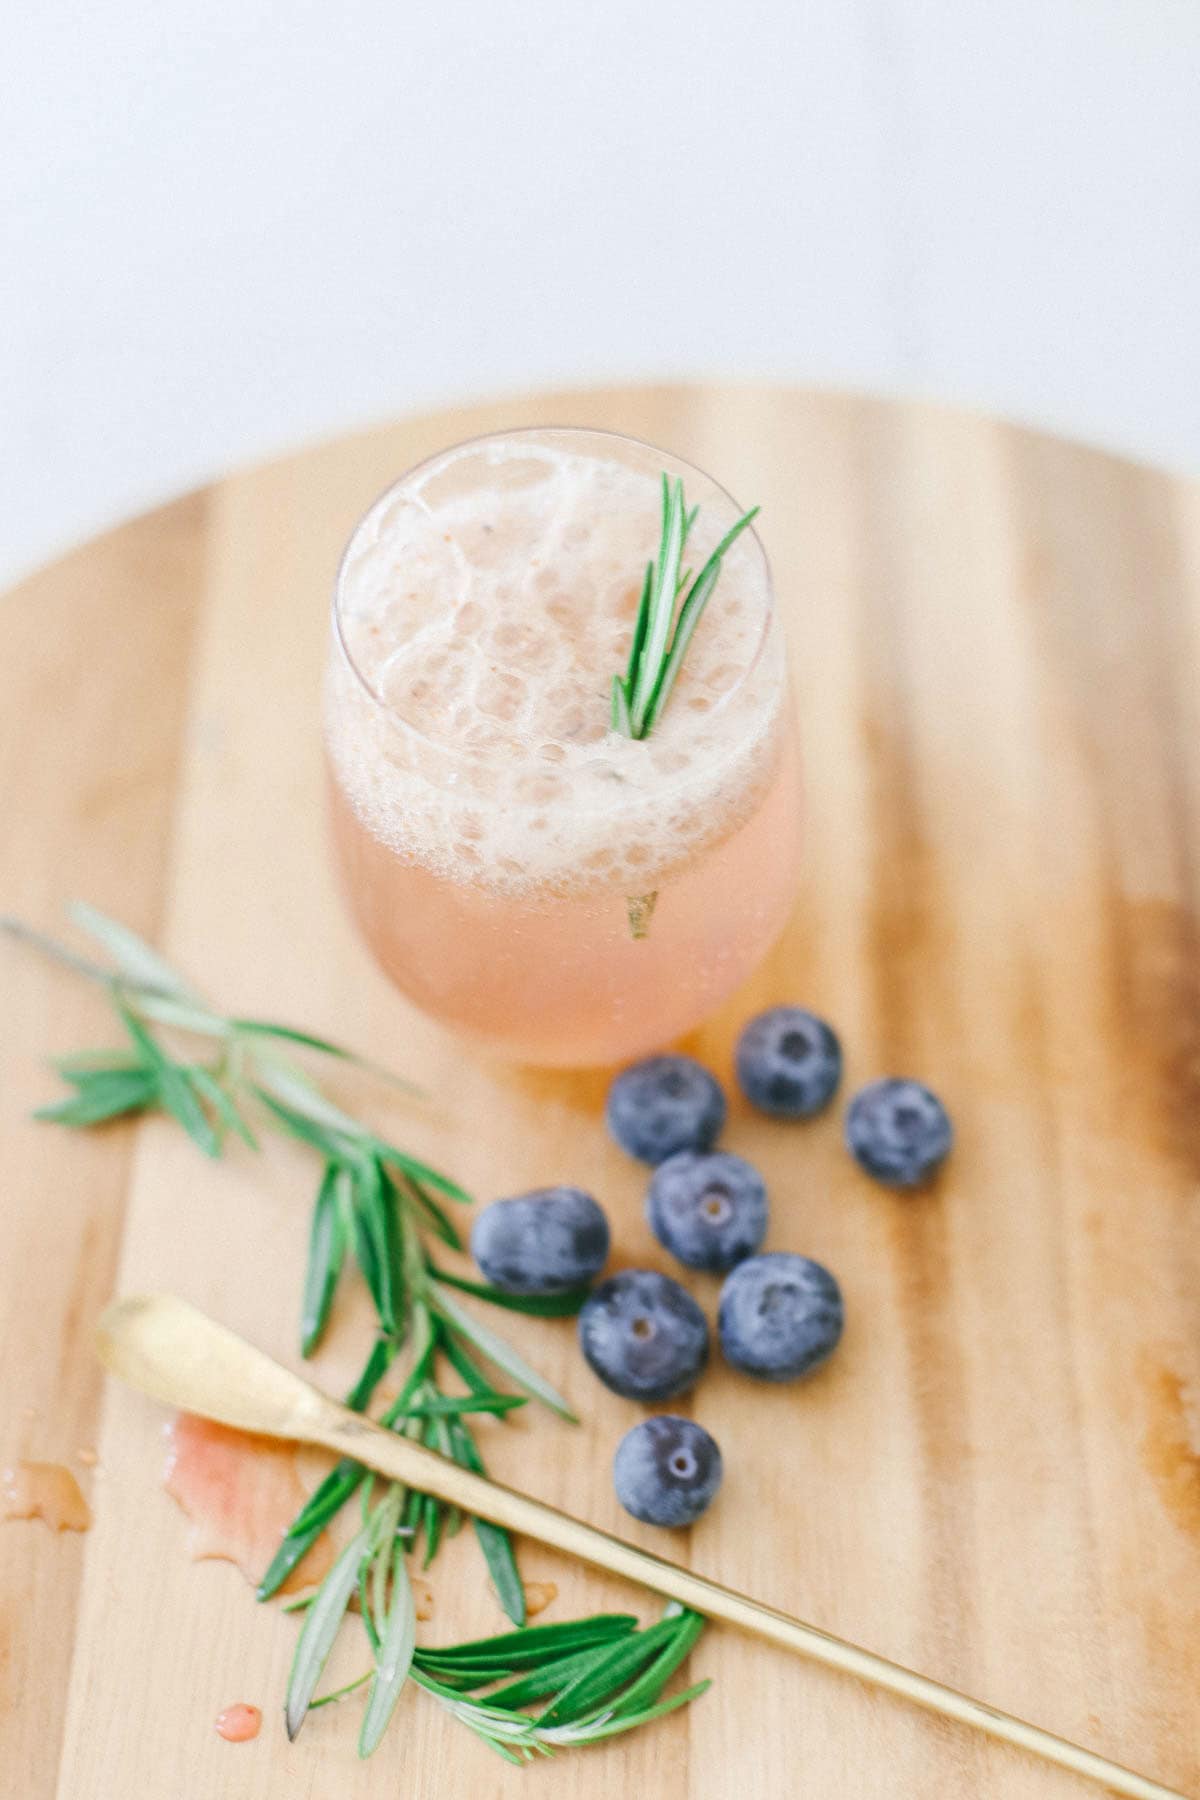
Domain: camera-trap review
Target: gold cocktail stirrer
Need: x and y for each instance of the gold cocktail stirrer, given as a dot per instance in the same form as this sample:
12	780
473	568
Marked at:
170	1350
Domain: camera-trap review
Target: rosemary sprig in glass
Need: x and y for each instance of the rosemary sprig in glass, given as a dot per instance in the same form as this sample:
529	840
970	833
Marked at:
661	635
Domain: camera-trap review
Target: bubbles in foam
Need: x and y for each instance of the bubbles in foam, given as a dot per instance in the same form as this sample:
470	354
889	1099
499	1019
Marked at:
670	758
541	788
560	609
488	605
501	695
621	601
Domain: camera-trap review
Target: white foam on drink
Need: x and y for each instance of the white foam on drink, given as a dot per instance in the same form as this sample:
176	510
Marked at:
484	606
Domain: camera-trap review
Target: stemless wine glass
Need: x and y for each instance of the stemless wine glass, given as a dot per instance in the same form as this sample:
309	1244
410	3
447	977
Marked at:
557	891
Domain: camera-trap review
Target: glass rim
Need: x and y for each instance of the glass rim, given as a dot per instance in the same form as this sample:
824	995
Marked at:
464	753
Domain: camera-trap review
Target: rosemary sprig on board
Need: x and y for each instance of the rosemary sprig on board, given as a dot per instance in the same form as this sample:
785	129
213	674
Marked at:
375	1203
595	1677
379	1205
660	634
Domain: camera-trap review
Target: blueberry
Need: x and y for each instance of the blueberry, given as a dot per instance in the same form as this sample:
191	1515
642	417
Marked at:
542	1242
667	1470
643	1335
709	1211
788	1062
779	1316
665	1104
898	1131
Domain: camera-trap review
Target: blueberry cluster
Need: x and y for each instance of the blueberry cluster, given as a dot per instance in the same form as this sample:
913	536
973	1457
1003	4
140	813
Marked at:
779	1315
789	1066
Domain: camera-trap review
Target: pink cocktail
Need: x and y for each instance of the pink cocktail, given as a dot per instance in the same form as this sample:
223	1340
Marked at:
557	891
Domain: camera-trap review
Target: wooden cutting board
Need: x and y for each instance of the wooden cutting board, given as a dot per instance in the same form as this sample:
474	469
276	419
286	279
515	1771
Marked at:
997	651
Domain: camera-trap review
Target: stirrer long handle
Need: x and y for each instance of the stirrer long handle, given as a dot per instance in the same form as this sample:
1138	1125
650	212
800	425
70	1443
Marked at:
420	1467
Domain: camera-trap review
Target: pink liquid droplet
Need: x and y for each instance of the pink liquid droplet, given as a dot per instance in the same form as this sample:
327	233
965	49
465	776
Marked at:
238	1724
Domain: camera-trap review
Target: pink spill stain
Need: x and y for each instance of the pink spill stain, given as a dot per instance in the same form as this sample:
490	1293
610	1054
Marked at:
241	1494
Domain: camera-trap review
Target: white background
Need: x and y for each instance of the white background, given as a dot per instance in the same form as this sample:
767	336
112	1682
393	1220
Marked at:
231	226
